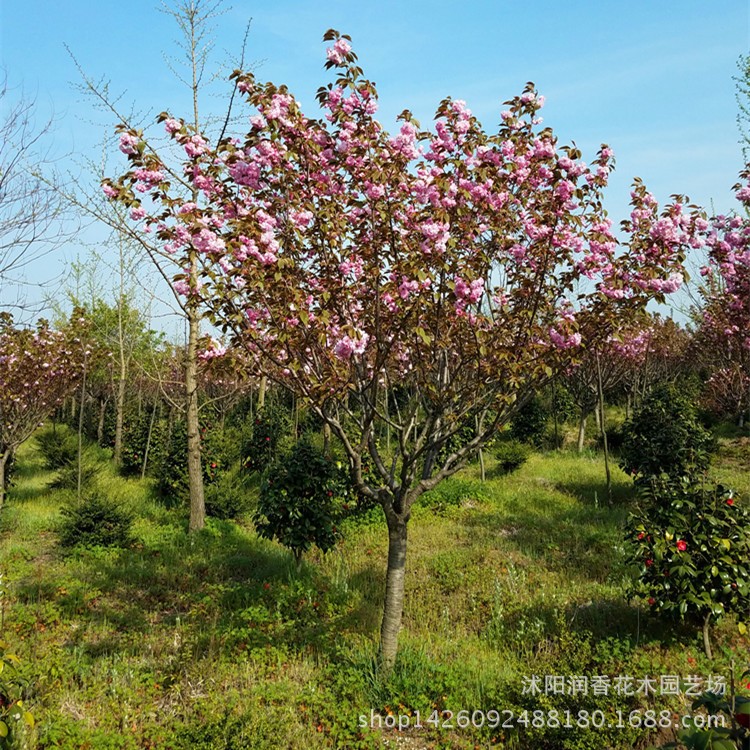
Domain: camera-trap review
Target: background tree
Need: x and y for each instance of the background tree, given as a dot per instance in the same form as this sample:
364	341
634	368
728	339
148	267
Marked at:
194	19
32	213
450	263
723	319
38	369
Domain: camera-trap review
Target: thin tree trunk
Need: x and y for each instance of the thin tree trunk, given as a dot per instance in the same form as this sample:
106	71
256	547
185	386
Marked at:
480	455
603	430
628	406
262	392
123	362
327	439
148	442
393	606
100	425
120	410
3	463
554	410
195	470
707	635
80	434
582	430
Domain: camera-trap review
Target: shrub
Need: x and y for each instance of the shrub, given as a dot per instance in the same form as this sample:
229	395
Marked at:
95	522
664	436
171	468
530	423
134	441
511	455
692	545
67	475
300	500
270	425
59	447
228	496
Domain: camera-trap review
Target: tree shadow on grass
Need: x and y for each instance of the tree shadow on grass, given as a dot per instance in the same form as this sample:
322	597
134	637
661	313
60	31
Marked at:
582	542
607	630
222	591
594	493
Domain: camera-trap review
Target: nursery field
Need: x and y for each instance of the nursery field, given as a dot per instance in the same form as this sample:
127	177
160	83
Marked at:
216	640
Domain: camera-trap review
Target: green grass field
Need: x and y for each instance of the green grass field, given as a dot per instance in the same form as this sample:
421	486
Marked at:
216	641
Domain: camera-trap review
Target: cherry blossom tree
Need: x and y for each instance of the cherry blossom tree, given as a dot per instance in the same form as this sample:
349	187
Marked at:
461	268
39	368
723	321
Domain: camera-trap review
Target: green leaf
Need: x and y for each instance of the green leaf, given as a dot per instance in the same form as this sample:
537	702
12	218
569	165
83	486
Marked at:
3	729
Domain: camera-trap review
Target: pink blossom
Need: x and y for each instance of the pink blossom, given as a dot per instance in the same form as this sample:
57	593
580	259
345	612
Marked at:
195	146
181	287
128	144
562	341
137	213
339	51
172	126
347	346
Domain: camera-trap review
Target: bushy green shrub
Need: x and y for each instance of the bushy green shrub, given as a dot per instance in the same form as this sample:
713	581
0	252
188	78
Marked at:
301	499
228	496
691	544
664	436
510	455
171	469
259	450
135	439
59	447
529	425
68	475
95	521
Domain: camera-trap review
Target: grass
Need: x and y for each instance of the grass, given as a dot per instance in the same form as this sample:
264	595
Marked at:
215	641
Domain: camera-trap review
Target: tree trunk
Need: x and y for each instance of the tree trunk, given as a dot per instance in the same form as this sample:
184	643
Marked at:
3	462
80	434
707	636
262	392
603	429
582	430
195	470
144	466
100	425
393	606
120	411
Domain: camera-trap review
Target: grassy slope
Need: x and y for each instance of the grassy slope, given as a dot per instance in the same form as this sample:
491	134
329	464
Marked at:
215	642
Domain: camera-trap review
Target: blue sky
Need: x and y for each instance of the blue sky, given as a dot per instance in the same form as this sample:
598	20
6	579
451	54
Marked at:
653	80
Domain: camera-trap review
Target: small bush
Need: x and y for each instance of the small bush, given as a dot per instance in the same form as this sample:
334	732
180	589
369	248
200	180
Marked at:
95	522
67	475
260	448
615	438
691	546
511	455
300	500
228	497
530	424
58	447
664	436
